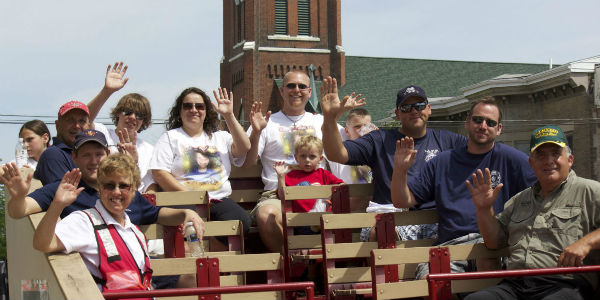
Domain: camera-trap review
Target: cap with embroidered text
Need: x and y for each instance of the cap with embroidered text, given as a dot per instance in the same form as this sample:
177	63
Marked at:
411	90
90	135
547	134
74	104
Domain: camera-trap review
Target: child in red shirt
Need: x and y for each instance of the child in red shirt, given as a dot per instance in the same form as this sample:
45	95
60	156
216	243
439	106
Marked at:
308	152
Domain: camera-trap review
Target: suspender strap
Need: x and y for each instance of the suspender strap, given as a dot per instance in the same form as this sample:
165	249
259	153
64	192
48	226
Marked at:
102	230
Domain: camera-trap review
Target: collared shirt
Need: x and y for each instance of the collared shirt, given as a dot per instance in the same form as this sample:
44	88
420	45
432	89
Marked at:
537	230
140	211
54	162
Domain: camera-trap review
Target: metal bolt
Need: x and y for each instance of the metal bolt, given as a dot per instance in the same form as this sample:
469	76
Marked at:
233	227
381	291
274	261
378	256
214	264
328	250
200	265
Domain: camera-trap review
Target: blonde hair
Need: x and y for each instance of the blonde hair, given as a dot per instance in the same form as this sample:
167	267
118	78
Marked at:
121	165
357	112
309	141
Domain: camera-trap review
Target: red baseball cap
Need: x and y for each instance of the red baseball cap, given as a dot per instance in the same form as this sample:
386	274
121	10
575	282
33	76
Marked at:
65	108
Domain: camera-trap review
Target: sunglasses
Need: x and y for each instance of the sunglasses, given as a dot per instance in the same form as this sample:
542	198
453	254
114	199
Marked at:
406	108
138	116
479	120
190	105
124	187
292	86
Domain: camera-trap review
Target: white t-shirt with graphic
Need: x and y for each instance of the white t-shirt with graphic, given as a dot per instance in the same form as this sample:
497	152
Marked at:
199	163
277	140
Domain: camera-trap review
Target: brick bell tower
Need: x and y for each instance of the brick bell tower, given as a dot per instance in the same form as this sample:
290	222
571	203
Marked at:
264	39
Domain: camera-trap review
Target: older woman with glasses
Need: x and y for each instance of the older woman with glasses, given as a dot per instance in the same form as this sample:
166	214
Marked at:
195	155
113	249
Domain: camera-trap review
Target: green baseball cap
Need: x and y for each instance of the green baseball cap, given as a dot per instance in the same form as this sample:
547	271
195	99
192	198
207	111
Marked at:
547	134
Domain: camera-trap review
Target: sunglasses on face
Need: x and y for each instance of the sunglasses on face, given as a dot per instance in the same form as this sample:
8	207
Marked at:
138	116
293	86
406	108
479	120
189	105
124	187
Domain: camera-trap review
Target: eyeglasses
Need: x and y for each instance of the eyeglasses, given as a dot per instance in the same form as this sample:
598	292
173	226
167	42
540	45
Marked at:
292	86
138	116
479	120
189	105
406	108
124	187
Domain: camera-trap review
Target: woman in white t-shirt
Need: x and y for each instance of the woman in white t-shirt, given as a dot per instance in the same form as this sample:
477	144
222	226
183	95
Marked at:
195	155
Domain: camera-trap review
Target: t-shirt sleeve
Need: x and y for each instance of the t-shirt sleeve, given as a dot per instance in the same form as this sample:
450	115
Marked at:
51	167
162	157
422	186
228	139
143	212
75	232
44	195
330	178
360	151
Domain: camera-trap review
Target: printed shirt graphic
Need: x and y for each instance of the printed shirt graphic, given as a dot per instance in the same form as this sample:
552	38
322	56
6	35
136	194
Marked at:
199	163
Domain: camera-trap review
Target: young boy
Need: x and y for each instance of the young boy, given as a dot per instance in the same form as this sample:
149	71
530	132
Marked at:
308	152
358	123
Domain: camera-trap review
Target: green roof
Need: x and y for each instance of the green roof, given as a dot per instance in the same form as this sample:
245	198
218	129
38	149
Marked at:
379	79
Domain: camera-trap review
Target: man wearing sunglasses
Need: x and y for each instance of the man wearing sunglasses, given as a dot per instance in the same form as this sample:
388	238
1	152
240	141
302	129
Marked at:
73	117
89	148
442	180
376	149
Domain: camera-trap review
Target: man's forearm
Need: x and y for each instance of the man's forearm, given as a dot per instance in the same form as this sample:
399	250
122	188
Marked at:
402	197
96	104
488	227
20	207
44	238
332	142
170	216
252	155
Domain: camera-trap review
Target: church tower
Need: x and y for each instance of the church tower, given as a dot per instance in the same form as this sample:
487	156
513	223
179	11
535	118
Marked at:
264	39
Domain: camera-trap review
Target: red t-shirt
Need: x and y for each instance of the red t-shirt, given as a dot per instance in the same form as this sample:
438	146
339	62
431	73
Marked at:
301	178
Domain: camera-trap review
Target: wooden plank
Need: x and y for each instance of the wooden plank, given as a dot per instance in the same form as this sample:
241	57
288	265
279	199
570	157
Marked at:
251	262
401	255
246	172
429	216
255	295
415	243
407	271
461	286
246	195
229	280
347	275
152	231
404	289
181	198
304	219
222	228
173	266
307	192
349	250
304	241
473	251
360	189
352	220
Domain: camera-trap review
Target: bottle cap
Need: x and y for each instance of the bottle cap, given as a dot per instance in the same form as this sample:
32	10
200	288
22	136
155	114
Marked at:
190	223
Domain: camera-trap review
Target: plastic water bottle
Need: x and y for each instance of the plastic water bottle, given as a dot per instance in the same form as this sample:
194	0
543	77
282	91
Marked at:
21	154
193	242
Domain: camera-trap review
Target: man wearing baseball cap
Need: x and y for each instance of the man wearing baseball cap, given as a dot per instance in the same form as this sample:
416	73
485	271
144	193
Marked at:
376	149
73	117
553	223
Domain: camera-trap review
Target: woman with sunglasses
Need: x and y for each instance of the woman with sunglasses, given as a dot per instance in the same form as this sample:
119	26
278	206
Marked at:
132	115
193	126
36	137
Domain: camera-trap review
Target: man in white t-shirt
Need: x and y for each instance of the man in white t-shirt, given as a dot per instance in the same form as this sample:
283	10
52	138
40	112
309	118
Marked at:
272	138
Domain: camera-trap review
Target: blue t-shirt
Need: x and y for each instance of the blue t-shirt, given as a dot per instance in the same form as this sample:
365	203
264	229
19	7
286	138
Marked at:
54	162
377	148
140	211
442	181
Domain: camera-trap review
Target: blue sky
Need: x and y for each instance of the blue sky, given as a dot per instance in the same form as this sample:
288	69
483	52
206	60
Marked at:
51	52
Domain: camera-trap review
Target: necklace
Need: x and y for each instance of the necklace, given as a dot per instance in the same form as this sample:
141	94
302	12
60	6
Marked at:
291	120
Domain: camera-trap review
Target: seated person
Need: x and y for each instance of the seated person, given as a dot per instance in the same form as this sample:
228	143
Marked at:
555	222
308	152
113	249
195	155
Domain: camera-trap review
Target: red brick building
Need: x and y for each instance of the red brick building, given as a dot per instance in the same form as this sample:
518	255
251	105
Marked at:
264	39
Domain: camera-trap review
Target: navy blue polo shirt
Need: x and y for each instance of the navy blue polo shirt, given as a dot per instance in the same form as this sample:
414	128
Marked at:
54	163
140	211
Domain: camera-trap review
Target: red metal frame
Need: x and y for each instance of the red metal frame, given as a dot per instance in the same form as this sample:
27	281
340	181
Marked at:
385	229
309	287
439	262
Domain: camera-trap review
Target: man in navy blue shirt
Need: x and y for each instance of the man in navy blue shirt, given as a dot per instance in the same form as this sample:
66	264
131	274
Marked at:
376	149
90	148
443	178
